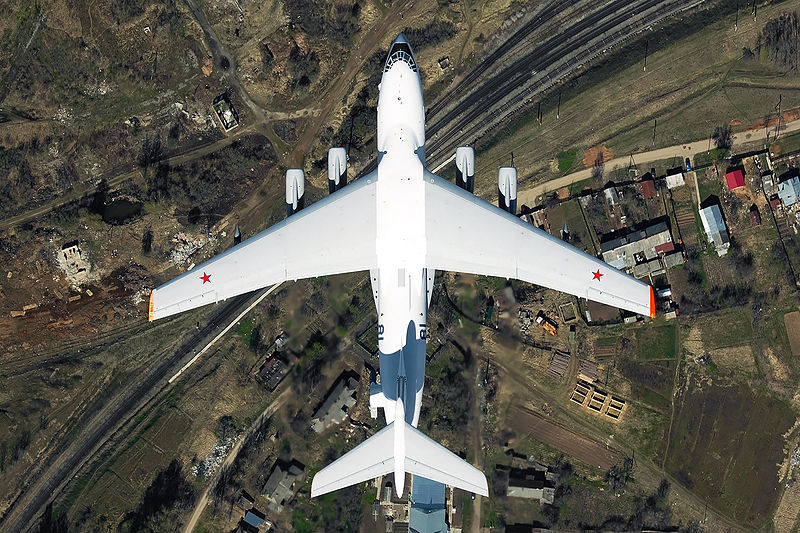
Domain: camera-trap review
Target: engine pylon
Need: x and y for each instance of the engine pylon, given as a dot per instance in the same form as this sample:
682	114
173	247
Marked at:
337	169
465	168
295	188
507	189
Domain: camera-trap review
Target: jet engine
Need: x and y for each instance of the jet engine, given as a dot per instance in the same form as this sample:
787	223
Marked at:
337	169
507	189
465	168
295	187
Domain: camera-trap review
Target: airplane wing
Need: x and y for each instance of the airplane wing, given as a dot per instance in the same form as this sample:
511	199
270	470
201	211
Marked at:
467	234
333	236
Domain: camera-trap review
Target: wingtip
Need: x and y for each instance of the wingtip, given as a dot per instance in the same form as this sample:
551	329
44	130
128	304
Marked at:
652	303
152	305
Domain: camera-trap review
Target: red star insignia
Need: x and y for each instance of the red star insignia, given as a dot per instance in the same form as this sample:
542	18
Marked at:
597	275
206	278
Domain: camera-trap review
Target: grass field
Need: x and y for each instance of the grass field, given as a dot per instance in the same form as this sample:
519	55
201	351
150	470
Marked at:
731	327
656	342
725	446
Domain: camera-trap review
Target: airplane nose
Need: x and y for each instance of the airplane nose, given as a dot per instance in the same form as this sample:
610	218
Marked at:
401	38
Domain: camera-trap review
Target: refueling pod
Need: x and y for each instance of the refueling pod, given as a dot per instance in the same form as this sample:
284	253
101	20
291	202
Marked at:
507	189
337	169
465	168
295	187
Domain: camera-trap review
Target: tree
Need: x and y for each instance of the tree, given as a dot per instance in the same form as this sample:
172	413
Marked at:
147	241
723	137
781	38
619	475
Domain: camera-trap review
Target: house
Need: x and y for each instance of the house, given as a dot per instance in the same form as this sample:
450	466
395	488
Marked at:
339	399
626	250
226	112
675	178
427	513
648	187
612	197
755	216
282	482
531	483
735	179
789	191
272	372
716	230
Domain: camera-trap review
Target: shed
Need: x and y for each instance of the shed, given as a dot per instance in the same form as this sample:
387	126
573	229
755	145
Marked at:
755	216
254	517
675	178
774	202
648	188
735	179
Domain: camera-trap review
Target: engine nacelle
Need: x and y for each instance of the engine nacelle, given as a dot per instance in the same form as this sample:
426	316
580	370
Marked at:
465	168
237	235
295	187
507	189
337	169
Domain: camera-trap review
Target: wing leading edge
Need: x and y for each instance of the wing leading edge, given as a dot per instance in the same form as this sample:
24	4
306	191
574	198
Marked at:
467	234
333	236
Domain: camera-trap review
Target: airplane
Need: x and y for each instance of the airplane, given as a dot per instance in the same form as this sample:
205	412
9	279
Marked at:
401	223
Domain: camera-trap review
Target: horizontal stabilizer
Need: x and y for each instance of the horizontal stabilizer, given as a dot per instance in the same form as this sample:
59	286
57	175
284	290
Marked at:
368	460
427	458
375	457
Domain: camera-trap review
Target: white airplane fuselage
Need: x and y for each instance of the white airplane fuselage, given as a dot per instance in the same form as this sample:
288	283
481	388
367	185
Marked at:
401	283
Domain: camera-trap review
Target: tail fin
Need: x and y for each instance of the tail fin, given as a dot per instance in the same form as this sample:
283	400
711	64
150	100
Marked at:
376	457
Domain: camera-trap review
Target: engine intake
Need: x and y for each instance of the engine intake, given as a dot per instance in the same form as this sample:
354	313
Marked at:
295	188
507	189
337	169
465	168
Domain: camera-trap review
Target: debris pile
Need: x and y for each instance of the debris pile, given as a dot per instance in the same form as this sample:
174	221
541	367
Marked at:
205	468
186	245
525	320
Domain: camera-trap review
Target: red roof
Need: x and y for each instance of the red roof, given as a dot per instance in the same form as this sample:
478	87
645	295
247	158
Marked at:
735	179
664	248
649	189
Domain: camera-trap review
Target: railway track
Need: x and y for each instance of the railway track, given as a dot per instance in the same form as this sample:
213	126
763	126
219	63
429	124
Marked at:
543	68
98	428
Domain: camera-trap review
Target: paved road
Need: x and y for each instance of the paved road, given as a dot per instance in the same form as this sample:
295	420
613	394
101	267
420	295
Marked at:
203	501
530	197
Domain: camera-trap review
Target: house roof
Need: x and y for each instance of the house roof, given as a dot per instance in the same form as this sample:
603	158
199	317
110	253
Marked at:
427	513
789	191
649	188
735	179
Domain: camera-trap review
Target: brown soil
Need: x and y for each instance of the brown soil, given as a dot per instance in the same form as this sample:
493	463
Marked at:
792	322
788	116
597	154
526	422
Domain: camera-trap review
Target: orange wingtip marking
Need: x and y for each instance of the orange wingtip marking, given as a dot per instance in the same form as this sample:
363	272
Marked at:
652	304
152	305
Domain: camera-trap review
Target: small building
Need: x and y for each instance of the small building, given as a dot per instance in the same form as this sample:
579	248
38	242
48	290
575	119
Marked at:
735	179
715	228
272	372
626	250
612	197
674	259
226	113
339	399
282	482
755	216
675	178
789	191
428	514
648	187
768	182
532	484
254	517
774	202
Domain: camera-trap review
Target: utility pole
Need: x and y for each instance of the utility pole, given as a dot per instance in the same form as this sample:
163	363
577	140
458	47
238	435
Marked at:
558	110
778	109
539	114
645	56
736	24
512	163
655	122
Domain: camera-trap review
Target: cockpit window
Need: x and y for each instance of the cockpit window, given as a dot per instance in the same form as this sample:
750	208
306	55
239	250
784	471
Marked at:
400	52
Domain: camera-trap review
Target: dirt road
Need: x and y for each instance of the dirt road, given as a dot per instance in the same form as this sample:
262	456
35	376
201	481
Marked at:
203	501
530	196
